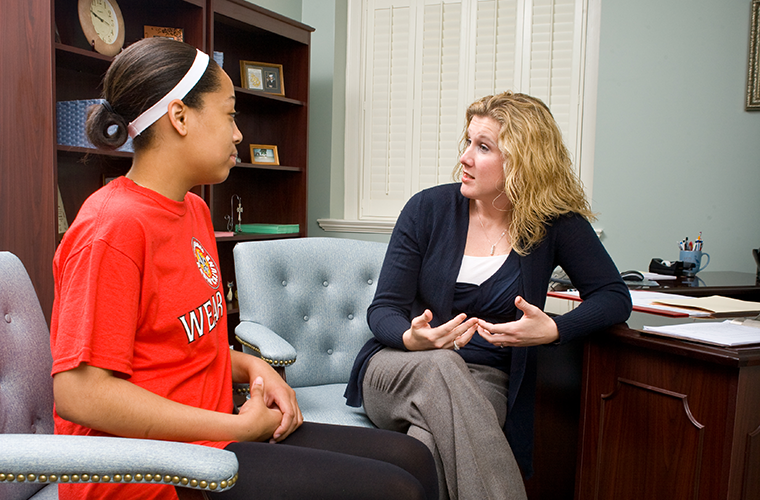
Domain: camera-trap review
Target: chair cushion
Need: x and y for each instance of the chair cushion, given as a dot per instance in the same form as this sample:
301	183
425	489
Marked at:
326	404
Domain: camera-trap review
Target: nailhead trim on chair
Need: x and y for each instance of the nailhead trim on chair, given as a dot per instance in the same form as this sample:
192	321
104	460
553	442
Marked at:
273	362
119	478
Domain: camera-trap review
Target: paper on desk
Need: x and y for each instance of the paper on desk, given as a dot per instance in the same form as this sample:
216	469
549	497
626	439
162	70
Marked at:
655	300
646	300
658	276
715	304
726	333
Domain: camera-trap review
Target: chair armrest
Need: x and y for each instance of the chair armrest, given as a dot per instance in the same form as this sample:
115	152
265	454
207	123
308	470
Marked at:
271	347
48	458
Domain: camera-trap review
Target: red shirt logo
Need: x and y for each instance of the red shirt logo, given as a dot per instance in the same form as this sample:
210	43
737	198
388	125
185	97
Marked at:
206	264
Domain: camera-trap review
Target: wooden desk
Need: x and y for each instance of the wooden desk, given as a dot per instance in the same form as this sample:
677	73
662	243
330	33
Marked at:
742	286
668	419
563	437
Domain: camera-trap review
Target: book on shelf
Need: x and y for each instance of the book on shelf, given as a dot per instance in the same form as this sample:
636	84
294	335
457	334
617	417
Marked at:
63	223
269	228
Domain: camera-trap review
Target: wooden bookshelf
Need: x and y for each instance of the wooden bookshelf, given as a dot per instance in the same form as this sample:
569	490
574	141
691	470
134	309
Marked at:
38	70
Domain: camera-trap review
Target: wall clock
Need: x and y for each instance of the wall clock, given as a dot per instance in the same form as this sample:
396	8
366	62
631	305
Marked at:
103	25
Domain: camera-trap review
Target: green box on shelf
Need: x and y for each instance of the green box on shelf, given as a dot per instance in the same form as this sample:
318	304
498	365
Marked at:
269	228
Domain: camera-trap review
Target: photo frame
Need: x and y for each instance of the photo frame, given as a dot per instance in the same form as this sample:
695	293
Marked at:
262	76
753	78
154	31
264	154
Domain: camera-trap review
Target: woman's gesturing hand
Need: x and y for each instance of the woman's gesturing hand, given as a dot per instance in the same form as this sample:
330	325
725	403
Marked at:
451	335
534	328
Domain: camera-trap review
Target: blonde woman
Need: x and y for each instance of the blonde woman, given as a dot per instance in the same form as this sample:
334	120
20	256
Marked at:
458	310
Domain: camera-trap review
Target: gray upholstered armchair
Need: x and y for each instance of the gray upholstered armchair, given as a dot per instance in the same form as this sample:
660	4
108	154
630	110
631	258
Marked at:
33	460
303	306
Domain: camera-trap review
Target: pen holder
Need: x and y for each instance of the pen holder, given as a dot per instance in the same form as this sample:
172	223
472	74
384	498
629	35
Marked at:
693	257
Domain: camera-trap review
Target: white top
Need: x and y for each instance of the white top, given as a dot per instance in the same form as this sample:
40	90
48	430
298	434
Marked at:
476	270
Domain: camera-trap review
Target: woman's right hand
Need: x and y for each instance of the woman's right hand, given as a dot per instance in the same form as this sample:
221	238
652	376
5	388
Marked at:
257	421
453	334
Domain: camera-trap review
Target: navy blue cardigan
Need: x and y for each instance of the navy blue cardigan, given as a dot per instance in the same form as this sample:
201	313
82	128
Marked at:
420	270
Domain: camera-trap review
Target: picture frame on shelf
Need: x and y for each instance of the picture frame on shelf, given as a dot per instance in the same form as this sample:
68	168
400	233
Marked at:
154	31
265	77
264	154
753	66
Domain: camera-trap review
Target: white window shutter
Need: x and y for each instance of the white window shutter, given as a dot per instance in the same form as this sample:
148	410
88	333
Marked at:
495	43
389	89
439	105
553	46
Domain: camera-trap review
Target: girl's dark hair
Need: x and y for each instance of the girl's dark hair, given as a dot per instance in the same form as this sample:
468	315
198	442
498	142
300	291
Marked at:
138	78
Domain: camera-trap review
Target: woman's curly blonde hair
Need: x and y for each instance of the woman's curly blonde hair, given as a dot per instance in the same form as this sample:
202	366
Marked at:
539	177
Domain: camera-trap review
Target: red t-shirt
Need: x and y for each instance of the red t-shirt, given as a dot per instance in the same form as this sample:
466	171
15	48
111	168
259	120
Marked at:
138	291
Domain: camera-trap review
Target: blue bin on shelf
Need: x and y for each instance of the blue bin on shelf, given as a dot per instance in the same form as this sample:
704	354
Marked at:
71	117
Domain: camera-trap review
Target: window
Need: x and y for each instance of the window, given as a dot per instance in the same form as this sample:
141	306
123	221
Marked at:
413	66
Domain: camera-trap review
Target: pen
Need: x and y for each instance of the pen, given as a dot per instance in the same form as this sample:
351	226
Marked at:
691	246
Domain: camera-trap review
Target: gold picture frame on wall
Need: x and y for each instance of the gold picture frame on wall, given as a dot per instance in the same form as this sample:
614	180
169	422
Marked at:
753	78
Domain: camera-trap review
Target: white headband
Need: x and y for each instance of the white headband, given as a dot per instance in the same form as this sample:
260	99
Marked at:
151	115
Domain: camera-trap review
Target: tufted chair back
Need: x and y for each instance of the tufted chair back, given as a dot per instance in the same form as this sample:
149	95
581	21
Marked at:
314	293
303	306
26	387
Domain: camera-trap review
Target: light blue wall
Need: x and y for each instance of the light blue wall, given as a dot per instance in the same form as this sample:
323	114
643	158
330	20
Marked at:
288	8
322	103
675	151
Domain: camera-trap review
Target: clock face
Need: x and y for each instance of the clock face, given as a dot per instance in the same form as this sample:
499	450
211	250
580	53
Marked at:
102	24
104	20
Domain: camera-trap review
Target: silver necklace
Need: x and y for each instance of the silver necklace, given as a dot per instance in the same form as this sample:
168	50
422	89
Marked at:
493	245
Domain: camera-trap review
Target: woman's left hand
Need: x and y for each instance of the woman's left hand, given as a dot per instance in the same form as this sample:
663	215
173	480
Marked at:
534	328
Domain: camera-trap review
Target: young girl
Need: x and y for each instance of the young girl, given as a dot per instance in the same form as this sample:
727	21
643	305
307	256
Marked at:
139	326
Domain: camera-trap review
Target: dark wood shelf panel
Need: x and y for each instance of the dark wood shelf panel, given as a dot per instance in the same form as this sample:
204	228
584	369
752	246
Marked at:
70	56
263	95
254	166
243	15
74	151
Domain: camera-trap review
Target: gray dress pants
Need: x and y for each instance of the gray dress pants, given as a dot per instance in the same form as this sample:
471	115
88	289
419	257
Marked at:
456	409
